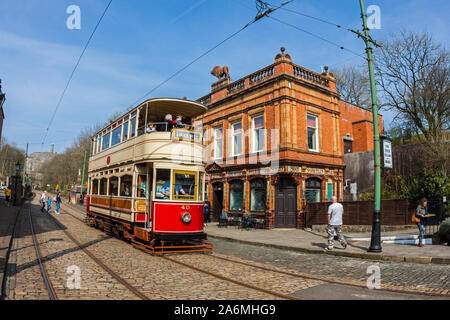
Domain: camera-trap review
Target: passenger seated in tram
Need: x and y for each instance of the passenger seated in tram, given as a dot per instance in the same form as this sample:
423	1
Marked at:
150	128
126	192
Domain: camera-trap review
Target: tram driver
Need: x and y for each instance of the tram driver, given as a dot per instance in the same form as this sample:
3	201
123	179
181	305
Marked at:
165	190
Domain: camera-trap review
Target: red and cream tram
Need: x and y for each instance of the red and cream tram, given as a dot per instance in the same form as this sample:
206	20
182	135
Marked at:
147	177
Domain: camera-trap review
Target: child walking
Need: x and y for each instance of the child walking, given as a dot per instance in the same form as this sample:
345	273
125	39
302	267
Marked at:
49	204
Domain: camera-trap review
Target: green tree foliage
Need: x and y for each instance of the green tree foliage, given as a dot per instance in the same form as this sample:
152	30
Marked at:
9	156
431	184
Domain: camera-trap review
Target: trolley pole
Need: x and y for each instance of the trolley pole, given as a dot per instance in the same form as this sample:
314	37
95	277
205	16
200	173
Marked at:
375	242
82	175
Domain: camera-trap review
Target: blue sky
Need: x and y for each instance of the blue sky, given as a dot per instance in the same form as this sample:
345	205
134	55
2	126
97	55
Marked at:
141	43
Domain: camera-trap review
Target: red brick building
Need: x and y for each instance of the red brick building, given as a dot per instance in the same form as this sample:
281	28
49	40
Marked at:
275	140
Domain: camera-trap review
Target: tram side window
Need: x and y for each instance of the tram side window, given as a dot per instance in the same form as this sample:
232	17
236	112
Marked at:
162	190
113	186
125	131
133	127
94	186
125	186
184	187
105	142
141	186
201	179
116	136
103	186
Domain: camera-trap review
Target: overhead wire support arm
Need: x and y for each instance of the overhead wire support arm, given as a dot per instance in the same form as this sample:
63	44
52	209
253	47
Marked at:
369	38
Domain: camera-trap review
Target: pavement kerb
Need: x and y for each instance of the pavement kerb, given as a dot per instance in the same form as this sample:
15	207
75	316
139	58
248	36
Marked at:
367	256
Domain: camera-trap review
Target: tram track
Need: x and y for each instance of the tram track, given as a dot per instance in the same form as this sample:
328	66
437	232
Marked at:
218	276
324	279
4	294
48	284
99	262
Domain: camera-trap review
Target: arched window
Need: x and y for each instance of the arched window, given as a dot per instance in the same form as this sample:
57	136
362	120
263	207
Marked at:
236	195
114	186
126	185
103	186
313	190
94	189
258	194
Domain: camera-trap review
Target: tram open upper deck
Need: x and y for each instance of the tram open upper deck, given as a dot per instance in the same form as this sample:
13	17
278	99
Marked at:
147	176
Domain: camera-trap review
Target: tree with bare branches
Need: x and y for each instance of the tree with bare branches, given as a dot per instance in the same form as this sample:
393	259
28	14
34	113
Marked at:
413	72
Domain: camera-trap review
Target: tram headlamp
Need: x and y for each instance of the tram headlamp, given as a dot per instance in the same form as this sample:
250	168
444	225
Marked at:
186	218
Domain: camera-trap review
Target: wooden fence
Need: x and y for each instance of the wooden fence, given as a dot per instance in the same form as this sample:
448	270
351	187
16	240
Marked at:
393	212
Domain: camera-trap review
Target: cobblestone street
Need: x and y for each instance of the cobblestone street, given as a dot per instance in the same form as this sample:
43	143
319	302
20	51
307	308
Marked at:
284	273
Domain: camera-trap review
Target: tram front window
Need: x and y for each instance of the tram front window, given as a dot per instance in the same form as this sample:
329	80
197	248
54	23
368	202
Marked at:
162	184
184	187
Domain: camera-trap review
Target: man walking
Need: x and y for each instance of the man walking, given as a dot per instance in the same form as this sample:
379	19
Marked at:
42	201
335	211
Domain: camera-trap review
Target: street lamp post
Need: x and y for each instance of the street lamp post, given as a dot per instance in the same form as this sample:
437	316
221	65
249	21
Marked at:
15	183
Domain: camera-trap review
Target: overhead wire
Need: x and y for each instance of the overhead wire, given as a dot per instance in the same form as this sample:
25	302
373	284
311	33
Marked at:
73	71
304	30
259	16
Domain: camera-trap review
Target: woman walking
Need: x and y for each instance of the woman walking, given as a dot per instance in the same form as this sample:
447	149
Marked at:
421	211
58	202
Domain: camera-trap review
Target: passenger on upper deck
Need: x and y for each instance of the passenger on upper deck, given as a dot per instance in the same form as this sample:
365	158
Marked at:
150	128
170	123
179	121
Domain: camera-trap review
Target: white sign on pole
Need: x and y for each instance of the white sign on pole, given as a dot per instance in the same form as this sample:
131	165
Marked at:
387	153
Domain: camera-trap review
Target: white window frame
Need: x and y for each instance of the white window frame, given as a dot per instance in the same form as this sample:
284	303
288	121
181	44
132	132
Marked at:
254	138
216	156
316	133
233	151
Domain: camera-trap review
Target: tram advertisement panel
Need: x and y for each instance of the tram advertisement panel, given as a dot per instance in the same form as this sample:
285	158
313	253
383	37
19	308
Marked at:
177	217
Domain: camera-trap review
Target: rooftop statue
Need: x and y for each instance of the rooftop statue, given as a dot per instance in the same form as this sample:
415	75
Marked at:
220	72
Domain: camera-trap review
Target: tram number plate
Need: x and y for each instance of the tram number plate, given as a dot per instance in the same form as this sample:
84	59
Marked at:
140	206
186	135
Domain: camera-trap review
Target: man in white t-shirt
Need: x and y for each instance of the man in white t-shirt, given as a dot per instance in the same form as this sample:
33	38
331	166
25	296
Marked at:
335	212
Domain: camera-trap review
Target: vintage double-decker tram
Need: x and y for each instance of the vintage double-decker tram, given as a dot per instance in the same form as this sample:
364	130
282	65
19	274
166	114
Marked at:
147	178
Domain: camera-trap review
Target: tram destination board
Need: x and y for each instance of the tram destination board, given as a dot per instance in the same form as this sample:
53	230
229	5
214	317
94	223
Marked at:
186	135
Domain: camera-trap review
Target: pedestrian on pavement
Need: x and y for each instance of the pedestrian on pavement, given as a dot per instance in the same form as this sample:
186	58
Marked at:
58	202
421	211
335	211
49	204
42	200
7	195
206	208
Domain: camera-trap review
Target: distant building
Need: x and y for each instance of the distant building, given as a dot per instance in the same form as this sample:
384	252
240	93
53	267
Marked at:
34	165
276	139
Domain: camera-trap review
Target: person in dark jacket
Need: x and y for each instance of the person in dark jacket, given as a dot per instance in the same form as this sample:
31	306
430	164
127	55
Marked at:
170	122
421	211
206	211
58	202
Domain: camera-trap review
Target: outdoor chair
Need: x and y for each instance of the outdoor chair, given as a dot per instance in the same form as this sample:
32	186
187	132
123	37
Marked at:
236	220
223	219
247	221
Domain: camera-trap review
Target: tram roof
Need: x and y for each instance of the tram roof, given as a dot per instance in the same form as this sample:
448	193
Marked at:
163	106
174	106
